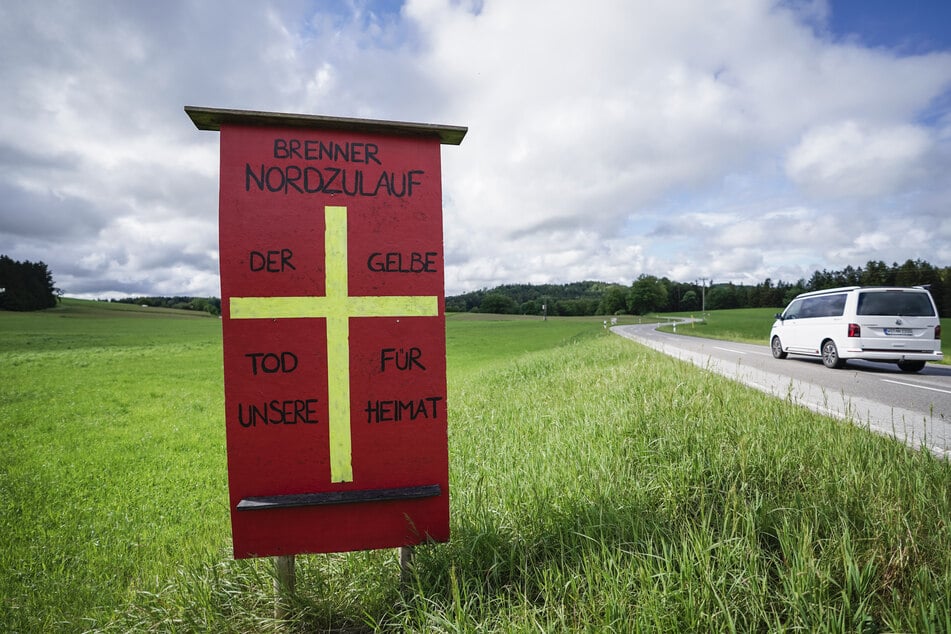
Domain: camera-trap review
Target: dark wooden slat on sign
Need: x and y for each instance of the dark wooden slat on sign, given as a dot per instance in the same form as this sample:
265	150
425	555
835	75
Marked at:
212	118
338	497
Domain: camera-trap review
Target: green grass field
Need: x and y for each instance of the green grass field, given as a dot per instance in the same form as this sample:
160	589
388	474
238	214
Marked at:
596	486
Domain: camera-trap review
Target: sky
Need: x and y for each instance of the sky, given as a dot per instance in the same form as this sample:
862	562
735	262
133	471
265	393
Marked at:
732	140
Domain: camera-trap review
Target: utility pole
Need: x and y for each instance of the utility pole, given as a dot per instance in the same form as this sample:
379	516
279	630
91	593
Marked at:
703	295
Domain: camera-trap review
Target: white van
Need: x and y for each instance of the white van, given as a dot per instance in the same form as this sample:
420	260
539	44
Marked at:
897	325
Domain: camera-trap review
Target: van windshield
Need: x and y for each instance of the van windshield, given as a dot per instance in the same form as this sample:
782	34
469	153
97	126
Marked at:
907	304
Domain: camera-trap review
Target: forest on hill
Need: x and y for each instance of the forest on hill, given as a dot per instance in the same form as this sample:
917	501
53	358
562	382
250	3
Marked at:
649	293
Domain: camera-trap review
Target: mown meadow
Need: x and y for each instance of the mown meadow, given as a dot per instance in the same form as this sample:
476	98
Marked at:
596	485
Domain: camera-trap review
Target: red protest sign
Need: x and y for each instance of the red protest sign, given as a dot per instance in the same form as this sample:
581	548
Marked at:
333	322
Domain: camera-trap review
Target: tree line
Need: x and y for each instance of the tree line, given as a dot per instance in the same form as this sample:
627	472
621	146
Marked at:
26	285
202	304
29	286
649	293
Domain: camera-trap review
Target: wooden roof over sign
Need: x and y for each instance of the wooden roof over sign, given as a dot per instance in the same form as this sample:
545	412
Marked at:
212	118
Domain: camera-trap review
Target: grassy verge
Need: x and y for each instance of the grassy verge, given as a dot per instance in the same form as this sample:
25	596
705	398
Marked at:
596	485
751	325
613	488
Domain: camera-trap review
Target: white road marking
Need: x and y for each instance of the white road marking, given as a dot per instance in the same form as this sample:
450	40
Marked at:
762	354
728	350
920	387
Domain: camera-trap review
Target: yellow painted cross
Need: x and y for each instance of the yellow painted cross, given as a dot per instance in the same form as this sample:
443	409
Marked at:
337	307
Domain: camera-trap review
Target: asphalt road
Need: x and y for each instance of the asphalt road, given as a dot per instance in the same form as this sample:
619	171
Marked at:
913	407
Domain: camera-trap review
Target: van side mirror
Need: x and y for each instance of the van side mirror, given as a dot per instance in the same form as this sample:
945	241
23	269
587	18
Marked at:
779	316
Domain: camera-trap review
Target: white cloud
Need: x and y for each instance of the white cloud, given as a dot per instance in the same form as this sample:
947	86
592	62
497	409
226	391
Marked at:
849	159
734	140
699	94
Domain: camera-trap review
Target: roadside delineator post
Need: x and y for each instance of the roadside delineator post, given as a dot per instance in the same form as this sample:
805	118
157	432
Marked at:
333	328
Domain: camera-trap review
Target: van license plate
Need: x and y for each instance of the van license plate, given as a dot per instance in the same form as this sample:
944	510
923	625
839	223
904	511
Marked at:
900	332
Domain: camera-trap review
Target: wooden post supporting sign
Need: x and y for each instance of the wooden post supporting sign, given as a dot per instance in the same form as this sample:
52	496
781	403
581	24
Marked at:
333	322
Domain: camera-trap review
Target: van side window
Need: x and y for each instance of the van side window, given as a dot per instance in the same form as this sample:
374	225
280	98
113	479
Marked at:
895	303
834	305
823	306
811	307
793	311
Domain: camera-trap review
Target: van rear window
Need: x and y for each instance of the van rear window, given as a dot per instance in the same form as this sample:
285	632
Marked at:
908	304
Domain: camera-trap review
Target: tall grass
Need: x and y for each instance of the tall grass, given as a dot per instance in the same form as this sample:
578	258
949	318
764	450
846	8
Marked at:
595	486
600	486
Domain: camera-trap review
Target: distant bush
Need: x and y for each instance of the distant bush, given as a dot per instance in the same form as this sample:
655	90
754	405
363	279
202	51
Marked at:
25	285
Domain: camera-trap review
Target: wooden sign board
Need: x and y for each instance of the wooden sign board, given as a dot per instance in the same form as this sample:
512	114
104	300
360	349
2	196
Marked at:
333	321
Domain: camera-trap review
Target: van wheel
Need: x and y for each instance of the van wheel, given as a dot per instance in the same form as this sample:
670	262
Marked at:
777	347
911	366
830	355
